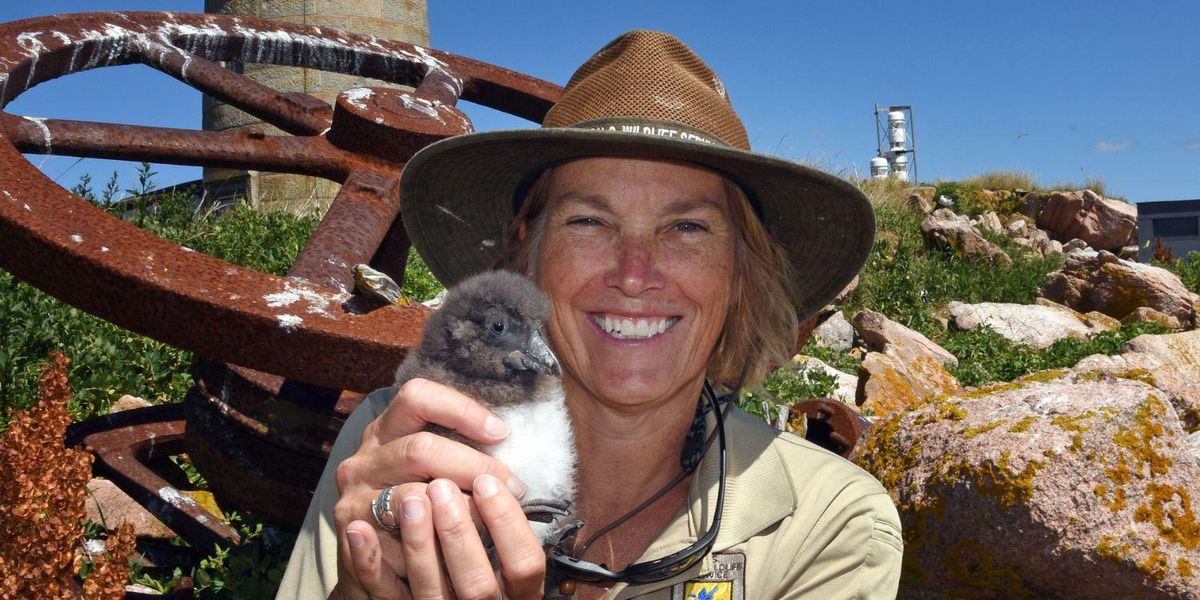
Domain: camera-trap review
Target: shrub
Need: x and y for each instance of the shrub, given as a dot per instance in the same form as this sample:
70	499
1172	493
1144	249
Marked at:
984	356
42	495
1188	270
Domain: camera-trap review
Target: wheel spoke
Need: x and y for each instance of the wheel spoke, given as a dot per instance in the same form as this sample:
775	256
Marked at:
295	113
246	149
352	229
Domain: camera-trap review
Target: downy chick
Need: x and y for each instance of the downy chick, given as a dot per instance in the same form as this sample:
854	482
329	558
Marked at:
485	341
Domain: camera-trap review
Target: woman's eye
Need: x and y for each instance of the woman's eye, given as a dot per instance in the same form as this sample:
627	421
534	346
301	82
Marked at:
584	221
690	227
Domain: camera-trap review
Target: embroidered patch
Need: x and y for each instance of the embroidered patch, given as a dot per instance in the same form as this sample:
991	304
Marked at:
726	582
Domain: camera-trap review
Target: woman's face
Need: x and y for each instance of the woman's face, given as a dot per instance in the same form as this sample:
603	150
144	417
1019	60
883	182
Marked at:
637	262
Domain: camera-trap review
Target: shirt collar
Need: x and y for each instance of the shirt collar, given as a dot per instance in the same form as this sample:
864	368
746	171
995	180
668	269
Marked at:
758	494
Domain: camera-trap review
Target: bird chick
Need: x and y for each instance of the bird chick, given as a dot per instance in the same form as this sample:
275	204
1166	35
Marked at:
486	342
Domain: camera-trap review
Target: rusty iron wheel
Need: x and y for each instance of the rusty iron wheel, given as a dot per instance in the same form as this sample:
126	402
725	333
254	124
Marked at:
260	430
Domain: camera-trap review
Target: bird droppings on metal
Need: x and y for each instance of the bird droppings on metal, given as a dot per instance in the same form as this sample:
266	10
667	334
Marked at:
34	47
172	496
318	303
186	249
26	207
358	96
41	124
104	248
281	299
488	243
424	106
379	120
451	214
75	237
289	322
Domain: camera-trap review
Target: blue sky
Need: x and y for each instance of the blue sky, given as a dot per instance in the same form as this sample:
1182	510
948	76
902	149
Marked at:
1063	90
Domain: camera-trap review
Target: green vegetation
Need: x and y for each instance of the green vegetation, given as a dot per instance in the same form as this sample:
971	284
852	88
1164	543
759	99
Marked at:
1188	270
986	357
107	362
906	281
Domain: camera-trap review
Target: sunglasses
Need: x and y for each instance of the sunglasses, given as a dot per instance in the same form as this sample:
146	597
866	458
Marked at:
659	569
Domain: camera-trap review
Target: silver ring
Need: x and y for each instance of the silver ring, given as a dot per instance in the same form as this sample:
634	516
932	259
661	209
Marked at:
382	505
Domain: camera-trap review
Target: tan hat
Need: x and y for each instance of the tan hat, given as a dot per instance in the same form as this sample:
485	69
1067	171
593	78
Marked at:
645	94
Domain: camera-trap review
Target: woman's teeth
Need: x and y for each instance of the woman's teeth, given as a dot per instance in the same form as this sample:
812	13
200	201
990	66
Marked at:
634	329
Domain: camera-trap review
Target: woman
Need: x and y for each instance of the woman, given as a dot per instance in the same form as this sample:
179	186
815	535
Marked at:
671	255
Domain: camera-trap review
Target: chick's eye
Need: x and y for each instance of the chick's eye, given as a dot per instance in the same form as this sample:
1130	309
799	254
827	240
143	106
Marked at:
498	327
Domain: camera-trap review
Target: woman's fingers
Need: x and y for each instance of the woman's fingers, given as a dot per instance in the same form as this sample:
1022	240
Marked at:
376	578
462	550
522	560
426	578
422	456
419	402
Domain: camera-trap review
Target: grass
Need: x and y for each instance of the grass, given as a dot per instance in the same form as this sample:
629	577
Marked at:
906	281
986	357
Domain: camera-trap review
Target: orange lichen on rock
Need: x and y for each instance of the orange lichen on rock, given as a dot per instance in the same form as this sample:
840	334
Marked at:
42	496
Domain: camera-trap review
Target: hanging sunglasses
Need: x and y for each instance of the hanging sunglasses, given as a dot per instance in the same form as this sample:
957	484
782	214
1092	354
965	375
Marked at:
659	569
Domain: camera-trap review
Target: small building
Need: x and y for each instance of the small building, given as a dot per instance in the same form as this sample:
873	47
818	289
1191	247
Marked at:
1175	222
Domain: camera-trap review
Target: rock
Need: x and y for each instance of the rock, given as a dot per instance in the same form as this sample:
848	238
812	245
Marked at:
1104	224
847	384
1030	324
878	333
835	333
1116	287
128	402
1039	239
1031	204
1145	314
921	199
1193	440
991	221
1128	252
108	505
1054	247
1095	321
1015	228
1053	486
900	377
944	229
1075	244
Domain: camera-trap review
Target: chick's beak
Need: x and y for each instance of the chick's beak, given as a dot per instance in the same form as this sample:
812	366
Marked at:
544	360
536	357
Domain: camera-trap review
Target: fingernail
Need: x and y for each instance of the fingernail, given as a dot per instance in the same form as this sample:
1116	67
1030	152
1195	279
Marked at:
355	538
439	491
516	487
413	507
495	428
486	486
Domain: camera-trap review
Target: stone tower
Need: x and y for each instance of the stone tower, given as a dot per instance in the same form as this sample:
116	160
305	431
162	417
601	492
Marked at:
402	20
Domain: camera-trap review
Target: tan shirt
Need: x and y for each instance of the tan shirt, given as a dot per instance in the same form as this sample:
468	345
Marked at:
799	522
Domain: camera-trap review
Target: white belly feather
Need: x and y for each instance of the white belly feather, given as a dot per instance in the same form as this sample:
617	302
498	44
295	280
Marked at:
540	449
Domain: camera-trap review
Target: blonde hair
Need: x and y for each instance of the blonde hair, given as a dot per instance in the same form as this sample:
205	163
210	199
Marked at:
761	326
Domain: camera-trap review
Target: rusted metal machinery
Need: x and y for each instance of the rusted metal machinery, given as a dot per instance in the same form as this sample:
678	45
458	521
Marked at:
286	358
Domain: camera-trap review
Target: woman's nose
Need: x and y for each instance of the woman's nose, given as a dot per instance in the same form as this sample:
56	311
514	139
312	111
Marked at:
636	269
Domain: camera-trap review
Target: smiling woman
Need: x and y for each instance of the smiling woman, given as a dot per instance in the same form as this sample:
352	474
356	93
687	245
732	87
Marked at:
676	262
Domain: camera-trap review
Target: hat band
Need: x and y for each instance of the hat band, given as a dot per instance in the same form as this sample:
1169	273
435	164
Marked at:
649	127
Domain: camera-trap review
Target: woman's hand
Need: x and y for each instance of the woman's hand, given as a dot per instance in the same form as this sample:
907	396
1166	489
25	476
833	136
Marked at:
438	526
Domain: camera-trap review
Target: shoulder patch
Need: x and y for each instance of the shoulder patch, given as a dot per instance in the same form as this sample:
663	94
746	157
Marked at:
726	582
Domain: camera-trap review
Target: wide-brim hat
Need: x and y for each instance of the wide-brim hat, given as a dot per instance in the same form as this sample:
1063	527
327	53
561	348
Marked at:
645	94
